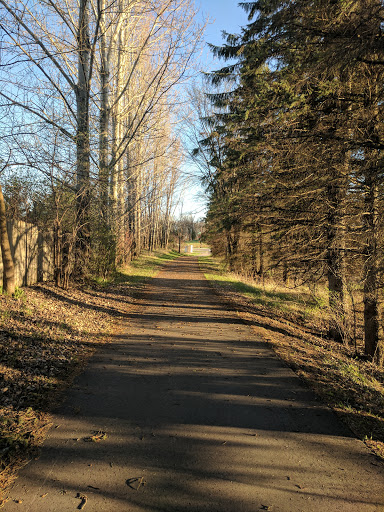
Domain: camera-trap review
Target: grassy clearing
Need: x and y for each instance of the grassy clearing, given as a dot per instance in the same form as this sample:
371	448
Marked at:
196	243
298	304
140	269
294	323
46	336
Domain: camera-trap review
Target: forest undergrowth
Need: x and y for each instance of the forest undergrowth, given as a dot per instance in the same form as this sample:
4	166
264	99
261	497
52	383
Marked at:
46	336
294	322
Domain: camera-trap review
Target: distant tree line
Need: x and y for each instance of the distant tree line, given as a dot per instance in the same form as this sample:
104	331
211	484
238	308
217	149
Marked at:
294	151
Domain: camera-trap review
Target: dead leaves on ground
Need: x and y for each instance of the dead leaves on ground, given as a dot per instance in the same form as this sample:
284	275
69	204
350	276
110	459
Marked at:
136	483
96	437
45	335
83	499
21	432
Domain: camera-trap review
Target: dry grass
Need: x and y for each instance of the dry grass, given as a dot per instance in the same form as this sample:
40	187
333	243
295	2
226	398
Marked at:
46	336
294	322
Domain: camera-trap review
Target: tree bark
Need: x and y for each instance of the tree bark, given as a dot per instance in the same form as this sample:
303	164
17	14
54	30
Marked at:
104	113
9	282
82	143
132	211
371	267
371	253
335	257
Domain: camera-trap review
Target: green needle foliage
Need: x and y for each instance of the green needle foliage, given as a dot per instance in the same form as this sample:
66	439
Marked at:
297	192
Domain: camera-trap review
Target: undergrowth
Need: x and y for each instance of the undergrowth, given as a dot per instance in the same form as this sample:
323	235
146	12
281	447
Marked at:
139	270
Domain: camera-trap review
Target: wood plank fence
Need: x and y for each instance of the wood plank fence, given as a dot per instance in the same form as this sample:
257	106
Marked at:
32	253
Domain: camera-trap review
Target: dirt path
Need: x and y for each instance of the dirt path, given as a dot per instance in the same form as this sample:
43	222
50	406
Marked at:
199	415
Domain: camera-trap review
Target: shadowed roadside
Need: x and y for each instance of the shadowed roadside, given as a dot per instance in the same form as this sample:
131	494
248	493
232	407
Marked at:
199	415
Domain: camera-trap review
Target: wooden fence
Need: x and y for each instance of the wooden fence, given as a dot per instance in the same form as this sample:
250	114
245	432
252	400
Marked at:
32	254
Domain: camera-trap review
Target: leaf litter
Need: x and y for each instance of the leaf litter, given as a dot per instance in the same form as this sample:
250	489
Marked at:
46	336
96	437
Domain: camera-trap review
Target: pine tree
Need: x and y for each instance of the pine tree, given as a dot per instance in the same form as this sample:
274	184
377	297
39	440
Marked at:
304	119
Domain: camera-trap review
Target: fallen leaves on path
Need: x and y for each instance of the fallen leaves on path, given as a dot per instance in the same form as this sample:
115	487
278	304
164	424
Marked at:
136	483
83	499
96	437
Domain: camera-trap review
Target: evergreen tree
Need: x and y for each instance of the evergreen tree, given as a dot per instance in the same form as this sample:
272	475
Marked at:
304	121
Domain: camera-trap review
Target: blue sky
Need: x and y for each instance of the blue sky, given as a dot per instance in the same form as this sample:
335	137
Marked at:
223	15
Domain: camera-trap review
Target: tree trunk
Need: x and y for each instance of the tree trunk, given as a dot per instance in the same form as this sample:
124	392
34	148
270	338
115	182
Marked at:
104	114
57	253
82	144
285	273
371	253
336	191
261	254
121	221
132	210
115	160
9	283
138	213
371	267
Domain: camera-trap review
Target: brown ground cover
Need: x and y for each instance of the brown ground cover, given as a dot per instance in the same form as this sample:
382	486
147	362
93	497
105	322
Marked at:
46	335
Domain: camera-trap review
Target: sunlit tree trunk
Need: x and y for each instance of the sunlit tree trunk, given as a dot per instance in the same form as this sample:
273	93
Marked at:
9	282
104	112
82	142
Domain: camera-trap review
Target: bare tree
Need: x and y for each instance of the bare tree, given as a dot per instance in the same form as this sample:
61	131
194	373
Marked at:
99	76
60	51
